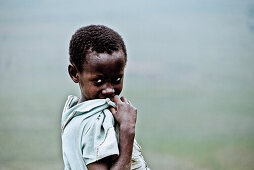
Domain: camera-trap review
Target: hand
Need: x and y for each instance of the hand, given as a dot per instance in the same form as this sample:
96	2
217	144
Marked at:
125	114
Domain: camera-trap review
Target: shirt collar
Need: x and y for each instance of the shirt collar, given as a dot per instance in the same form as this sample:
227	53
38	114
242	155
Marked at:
72	108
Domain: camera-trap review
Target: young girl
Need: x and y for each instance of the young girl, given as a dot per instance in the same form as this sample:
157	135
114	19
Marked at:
98	129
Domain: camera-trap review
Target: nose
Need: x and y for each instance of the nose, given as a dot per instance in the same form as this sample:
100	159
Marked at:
108	91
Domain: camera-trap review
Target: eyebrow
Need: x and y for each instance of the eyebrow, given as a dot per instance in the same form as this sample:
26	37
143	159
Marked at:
96	75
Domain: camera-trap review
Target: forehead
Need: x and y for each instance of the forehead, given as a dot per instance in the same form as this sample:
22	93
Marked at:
104	62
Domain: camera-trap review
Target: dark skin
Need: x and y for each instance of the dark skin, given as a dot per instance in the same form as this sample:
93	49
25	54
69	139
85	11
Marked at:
102	77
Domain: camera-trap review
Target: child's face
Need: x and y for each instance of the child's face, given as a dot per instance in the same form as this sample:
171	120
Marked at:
102	75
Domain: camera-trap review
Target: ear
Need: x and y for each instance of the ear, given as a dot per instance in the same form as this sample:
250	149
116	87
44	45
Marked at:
73	72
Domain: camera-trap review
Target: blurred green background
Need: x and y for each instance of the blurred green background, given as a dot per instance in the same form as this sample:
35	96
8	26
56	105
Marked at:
190	73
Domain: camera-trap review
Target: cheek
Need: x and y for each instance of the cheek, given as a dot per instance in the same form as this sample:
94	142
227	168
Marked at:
118	88
91	90
87	88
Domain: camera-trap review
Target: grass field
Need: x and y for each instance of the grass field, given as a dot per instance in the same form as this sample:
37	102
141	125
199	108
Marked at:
190	74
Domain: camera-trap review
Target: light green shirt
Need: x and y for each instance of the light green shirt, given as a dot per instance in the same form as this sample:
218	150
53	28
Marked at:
89	133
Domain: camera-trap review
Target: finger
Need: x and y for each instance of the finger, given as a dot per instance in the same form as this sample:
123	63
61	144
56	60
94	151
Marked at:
124	99
113	110
129	102
117	99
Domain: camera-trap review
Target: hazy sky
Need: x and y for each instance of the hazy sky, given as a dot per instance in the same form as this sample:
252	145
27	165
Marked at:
194	37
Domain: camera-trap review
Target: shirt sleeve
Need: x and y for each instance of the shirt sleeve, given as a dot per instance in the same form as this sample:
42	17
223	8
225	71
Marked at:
101	138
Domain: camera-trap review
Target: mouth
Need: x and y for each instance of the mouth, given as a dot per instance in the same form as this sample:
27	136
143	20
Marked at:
106	96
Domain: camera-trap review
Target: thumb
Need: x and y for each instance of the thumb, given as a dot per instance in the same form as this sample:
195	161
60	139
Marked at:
113	111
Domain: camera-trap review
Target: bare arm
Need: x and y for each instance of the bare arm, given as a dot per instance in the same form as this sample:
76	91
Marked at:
126	116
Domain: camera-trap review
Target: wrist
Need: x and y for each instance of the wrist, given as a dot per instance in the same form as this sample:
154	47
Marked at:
128	129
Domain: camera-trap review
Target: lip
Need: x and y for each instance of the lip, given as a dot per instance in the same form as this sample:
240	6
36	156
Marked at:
100	96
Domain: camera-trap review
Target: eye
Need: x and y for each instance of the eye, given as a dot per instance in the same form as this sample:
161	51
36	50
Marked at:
117	80
98	82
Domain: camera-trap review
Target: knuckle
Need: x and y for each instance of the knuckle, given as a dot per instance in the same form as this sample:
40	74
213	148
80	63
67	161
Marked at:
135	110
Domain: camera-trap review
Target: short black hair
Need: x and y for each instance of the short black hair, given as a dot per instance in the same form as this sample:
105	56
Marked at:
98	38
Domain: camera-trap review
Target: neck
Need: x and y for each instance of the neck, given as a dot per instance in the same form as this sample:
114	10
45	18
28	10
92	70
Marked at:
82	99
